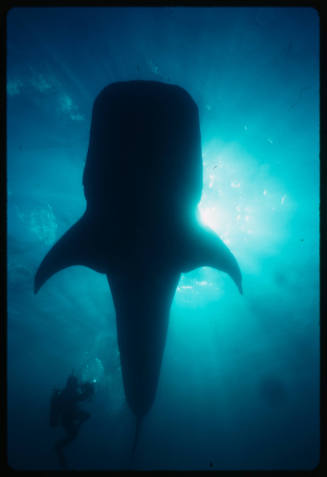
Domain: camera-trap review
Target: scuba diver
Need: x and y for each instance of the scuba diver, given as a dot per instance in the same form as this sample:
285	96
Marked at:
65	411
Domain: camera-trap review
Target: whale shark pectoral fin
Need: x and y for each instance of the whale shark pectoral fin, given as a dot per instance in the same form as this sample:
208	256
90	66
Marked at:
206	249
75	247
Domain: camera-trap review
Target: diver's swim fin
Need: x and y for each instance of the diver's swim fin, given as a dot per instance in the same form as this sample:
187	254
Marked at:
205	248
76	247
61	456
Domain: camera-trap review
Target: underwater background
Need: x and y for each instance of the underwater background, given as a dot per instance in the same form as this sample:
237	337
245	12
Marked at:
239	384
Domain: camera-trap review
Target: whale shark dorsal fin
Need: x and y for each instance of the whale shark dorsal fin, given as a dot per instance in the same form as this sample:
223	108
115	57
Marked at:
205	249
75	247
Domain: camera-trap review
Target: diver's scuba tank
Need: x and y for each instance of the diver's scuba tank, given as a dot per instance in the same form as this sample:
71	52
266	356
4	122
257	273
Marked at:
54	420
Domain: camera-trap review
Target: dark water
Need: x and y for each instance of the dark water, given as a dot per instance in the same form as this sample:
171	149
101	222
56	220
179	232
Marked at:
239	387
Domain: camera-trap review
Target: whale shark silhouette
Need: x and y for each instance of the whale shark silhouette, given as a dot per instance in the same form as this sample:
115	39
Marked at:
142	182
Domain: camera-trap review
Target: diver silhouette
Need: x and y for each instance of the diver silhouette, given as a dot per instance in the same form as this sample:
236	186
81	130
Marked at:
65	411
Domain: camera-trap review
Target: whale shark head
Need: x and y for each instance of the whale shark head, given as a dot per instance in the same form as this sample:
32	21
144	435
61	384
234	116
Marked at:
144	152
142	182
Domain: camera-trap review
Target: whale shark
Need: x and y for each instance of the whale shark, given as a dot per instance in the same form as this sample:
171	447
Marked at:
142	183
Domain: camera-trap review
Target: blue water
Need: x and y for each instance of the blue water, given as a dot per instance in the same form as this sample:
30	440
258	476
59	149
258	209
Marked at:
239	387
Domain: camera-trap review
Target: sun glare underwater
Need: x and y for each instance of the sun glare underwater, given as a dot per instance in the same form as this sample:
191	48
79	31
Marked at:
239	384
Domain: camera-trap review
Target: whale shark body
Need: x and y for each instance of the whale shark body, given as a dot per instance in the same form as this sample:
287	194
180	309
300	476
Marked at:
142	182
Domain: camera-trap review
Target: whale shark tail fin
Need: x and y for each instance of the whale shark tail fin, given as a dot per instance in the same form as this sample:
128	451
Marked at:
75	247
206	249
139	424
